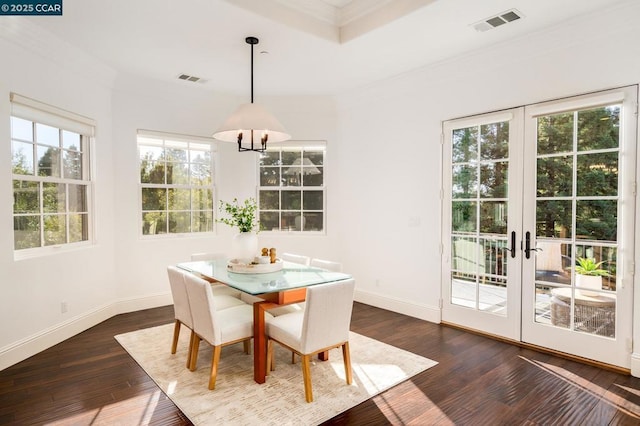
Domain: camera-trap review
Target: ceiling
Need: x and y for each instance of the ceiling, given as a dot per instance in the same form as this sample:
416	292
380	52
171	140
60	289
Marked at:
306	46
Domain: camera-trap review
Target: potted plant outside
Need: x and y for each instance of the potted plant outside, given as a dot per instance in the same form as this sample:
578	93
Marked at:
589	274
242	215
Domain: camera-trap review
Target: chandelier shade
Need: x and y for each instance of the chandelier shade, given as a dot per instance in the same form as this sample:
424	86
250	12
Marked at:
249	117
251	122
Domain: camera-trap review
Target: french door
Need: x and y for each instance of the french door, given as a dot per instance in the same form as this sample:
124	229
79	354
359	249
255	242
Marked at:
481	265
536	198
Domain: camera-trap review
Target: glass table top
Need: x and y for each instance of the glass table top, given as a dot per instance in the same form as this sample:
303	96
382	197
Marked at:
292	275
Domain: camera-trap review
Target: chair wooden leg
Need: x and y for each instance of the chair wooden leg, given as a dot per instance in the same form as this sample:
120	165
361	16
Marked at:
306	374
194	353
346	356
247	346
293	357
176	334
215	359
271	366
190	351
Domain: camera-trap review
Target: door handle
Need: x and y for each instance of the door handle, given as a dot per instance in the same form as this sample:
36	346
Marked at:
513	244
527	245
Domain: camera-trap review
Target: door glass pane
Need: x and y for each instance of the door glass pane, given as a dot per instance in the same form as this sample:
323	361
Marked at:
493	217
463	216
597	220
464	145
599	128
555	133
493	179
554	176
494	143
492	289
597	174
465	180
553	261
553	218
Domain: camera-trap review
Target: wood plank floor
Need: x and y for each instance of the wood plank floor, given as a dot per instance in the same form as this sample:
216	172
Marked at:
90	379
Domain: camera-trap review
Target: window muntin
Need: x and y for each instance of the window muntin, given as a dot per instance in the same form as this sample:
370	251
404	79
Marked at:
291	195
176	185
51	179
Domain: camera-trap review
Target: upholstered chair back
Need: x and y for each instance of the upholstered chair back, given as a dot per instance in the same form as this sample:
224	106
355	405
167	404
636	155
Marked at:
181	304
327	315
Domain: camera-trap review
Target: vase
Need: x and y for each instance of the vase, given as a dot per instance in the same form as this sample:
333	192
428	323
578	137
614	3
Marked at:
245	246
588	282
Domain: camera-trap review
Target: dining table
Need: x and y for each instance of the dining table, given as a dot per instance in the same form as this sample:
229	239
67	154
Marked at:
285	286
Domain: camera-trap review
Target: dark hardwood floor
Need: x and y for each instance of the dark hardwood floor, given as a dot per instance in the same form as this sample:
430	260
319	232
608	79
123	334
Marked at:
90	379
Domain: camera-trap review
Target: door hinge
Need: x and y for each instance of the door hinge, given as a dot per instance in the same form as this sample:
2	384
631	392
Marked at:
634	188
442	137
440	303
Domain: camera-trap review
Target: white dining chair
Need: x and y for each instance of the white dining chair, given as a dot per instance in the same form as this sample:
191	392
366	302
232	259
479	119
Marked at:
218	288
206	256
181	308
326	264
296	307
323	325
295	258
218	327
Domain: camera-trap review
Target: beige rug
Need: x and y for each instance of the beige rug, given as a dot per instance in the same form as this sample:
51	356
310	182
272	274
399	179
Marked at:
238	400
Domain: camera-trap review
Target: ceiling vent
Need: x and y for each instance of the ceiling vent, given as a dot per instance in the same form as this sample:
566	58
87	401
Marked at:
496	21
191	78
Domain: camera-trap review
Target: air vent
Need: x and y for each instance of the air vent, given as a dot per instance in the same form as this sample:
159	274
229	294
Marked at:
193	79
496	21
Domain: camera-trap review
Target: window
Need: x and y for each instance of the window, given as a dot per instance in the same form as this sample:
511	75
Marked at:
50	154
292	191
176	184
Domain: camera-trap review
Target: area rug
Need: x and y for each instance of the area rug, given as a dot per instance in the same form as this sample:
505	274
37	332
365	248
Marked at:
238	400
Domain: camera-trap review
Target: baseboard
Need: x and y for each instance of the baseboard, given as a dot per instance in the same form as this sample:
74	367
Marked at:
423	312
146	302
31	345
635	364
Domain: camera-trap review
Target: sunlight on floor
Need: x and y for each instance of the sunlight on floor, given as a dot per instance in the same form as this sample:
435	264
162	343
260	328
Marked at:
591	388
140	412
363	373
171	387
431	412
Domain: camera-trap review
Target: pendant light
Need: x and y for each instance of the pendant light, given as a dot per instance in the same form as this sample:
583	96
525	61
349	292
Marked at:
251	123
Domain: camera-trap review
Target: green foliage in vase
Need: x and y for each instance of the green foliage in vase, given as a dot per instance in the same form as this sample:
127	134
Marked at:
589	266
240	215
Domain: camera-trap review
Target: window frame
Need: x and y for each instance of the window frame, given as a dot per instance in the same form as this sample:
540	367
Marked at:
182	138
302	146
39	113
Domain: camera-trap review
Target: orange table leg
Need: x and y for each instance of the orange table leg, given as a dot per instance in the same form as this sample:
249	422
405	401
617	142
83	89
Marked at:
260	341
